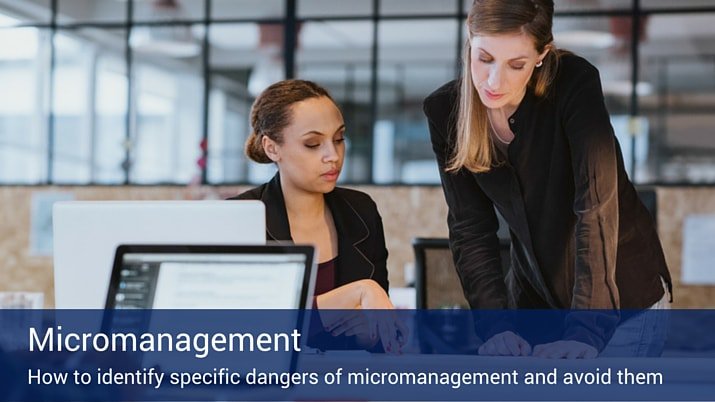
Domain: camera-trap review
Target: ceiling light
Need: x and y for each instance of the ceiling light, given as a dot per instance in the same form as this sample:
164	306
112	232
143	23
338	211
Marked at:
174	41
169	41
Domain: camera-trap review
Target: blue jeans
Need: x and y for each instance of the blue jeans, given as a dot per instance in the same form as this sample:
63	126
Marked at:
642	335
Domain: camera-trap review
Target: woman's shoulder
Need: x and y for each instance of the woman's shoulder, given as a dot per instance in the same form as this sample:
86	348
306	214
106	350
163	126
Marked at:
357	199
442	100
574	69
361	203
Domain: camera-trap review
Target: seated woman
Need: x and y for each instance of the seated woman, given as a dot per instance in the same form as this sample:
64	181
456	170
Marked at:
297	126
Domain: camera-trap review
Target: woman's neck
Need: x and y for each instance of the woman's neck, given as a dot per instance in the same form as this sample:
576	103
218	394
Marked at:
509	109
302	204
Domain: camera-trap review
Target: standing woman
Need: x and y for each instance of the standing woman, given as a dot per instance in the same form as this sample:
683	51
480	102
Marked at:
297	126
526	131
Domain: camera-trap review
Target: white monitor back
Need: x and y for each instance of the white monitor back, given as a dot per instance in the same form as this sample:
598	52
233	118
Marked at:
87	233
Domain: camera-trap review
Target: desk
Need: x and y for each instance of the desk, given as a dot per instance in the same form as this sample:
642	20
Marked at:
682	378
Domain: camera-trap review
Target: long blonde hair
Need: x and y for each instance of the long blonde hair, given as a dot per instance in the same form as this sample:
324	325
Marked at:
474	149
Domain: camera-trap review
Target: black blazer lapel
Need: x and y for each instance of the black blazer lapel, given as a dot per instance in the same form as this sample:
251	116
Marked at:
354	237
353	234
277	226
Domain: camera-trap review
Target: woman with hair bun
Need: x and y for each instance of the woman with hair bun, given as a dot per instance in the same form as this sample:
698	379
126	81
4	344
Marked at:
298	126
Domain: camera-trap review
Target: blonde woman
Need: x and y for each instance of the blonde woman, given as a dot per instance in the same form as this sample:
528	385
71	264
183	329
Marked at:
525	131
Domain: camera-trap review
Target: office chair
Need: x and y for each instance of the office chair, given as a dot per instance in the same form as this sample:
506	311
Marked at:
649	198
437	283
437	286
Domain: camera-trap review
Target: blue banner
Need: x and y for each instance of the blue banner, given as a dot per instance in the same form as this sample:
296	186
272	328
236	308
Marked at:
182	355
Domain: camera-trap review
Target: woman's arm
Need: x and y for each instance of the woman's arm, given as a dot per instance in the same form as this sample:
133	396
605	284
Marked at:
342	311
593	157
471	220
379	257
364	294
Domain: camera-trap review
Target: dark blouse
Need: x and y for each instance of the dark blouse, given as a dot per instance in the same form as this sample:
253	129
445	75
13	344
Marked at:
325	281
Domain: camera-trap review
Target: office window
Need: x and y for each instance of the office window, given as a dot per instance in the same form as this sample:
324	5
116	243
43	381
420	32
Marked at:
244	57
323	8
25	11
89	106
24	79
409	70
227	9
72	110
168	109
110	112
677	64
165	144
592	5
79	11
96	138
418	7
337	55
680	4
168	10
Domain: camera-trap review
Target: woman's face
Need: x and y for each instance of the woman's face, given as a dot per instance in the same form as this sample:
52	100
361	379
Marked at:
311	155
501	66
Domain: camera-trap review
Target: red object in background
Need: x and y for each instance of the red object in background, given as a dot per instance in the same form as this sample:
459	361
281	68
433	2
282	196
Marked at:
622	29
204	146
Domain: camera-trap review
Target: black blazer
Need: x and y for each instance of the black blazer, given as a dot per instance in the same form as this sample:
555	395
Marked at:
581	238
361	239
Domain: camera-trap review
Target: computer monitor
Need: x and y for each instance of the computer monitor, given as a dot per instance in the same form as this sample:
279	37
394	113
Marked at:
87	233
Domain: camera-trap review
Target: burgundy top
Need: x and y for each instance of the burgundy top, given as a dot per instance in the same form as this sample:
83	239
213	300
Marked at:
325	280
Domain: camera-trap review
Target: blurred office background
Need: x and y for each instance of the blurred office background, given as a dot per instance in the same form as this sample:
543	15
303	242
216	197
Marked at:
149	99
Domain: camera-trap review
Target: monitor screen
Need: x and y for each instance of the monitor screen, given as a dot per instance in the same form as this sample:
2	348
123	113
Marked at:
210	280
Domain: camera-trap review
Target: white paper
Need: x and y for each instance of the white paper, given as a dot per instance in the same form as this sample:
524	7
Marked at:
21	300
699	250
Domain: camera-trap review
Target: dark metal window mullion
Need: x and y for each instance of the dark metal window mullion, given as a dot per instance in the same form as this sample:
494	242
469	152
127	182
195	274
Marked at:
51	95
374	76
289	38
126	165
662	117
460	37
206	64
635	37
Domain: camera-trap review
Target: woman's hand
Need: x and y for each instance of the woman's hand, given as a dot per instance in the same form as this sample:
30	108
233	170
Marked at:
391	330
565	350
368	326
505	343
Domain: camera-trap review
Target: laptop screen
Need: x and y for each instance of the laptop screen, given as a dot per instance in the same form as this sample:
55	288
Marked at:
231	285
211	277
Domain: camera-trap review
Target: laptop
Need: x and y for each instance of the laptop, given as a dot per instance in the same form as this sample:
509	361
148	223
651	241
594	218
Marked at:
214	278
87	233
